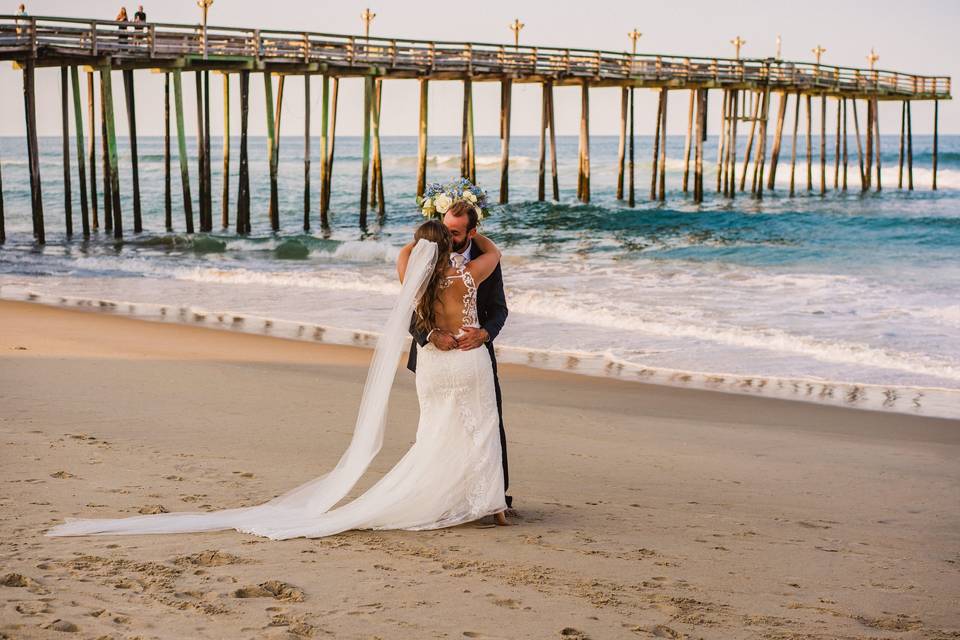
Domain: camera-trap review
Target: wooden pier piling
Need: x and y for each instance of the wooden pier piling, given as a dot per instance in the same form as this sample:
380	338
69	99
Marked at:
903	132
731	177
306	152
754	112
105	164
243	174
909	149
225	186
663	145
823	144
843	104
936	139
272	144
81	160
167	186
868	145
793	147
583	181
542	151
33	154
421	134
92	148
836	152
471	141
762	146
182	150
809	101
328	172
506	93
722	137
376	183
631	188
656	146
876	139
107	84
698	162
65	121
686	144
201	149
207	158
365	165
464	128
777	139
856	131
131	104
622	145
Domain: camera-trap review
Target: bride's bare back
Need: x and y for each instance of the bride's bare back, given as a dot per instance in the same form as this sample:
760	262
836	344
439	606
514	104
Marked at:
457	307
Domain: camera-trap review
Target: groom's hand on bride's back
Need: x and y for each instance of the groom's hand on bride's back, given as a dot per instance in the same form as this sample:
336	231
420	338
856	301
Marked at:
443	340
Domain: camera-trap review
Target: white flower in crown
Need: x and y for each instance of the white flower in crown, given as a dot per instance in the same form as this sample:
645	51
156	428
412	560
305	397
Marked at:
428	208
442	202
469	197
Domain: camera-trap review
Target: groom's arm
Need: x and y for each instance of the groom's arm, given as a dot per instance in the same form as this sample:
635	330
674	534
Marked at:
497	306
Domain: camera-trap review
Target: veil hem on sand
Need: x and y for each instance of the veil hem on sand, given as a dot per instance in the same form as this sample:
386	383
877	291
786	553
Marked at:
320	494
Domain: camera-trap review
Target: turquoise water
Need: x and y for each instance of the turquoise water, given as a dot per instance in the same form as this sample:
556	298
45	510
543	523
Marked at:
853	287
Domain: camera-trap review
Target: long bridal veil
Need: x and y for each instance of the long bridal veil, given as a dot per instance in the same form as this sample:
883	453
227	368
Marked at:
319	495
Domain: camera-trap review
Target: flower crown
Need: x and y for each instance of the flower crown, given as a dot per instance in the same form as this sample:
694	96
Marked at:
438	198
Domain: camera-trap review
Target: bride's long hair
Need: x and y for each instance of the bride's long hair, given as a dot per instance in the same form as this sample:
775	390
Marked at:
434	231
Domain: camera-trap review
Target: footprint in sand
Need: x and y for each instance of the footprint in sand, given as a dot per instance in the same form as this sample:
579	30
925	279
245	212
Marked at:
210	558
62	475
271	589
17	580
508	603
151	509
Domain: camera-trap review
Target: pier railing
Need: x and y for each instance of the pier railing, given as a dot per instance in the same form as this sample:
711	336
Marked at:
160	43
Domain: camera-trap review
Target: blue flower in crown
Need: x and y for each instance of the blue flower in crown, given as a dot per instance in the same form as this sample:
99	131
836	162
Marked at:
438	198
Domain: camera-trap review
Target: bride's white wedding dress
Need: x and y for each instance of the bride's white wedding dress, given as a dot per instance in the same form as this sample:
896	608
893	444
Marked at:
452	473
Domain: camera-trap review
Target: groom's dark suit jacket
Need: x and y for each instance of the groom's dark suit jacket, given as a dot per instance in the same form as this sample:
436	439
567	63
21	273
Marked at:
492	314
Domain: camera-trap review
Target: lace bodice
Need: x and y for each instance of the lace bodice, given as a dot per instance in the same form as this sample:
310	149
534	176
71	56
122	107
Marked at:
470	318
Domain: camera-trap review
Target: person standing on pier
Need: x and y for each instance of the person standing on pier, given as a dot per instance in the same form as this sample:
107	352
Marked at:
21	13
122	18
139	19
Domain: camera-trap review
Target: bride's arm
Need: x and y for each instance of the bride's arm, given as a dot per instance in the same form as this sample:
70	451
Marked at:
403	259
483	265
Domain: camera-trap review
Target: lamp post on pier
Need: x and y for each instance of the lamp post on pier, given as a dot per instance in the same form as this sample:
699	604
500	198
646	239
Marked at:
873	58
737	43
205	8
779	43
634	36
516	27
367	16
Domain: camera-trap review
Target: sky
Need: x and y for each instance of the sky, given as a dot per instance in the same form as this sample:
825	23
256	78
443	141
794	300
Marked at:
916	37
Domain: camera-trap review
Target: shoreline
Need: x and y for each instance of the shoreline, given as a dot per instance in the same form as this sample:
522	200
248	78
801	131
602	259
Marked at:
939	402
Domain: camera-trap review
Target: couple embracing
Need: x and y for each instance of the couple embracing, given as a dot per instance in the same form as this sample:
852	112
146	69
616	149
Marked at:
451	300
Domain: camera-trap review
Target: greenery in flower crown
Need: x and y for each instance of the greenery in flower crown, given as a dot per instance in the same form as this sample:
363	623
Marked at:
438	198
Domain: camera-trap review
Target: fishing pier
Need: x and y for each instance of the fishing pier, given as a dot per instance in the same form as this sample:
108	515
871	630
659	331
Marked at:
747	88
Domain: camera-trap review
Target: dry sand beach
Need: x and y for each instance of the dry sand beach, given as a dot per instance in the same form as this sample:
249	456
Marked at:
646	511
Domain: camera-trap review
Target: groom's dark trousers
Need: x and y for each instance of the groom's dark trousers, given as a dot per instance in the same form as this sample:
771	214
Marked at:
492	314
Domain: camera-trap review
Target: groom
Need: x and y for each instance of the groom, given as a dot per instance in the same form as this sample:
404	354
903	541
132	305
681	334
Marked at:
491	311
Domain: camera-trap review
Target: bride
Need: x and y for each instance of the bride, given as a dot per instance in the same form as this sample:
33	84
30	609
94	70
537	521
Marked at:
452	474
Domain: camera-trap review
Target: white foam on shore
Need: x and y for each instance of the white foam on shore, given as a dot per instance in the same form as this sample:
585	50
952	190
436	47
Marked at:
927	401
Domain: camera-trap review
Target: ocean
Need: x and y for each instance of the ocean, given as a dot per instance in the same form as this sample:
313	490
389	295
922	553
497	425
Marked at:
849	298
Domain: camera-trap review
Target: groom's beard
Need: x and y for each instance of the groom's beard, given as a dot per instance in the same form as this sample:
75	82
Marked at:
458	248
